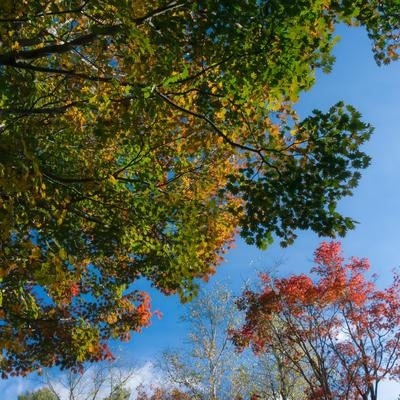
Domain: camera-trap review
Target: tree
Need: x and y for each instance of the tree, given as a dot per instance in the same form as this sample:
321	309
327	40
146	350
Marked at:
339	331
206	368
269	377
120	393
138	137
41	394
161	393
209	368
99	382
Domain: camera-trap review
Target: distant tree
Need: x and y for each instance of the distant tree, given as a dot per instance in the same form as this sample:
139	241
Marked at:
268	377
209	368
41	394
161	393
96	382
338	331
205	368
119	393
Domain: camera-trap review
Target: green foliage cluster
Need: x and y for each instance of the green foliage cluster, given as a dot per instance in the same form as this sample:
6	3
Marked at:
41	394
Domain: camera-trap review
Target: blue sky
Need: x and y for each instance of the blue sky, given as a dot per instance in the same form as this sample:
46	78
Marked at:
374	91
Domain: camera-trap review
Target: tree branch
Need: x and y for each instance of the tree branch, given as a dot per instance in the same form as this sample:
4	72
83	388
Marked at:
217	130
10	58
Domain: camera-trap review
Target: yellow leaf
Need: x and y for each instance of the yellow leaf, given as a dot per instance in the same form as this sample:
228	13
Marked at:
112	179
111	318
63	254
221	113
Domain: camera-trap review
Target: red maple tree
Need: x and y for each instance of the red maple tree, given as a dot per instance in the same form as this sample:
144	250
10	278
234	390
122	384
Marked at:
335	327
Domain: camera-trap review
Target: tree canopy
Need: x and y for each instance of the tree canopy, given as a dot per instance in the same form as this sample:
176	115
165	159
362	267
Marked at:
138	137
41	394
335	328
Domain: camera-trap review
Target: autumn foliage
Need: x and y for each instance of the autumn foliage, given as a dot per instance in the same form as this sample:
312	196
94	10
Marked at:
161	393
137	138
335	326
